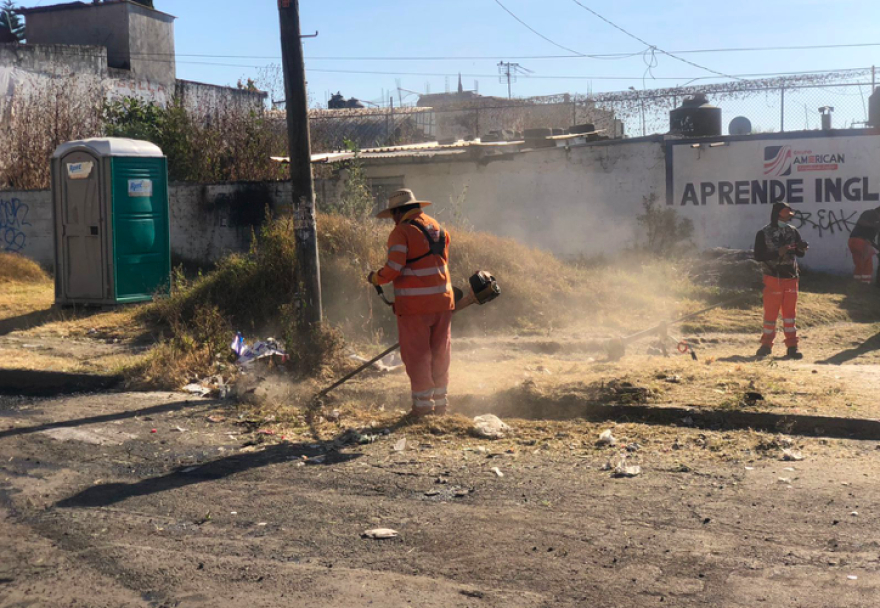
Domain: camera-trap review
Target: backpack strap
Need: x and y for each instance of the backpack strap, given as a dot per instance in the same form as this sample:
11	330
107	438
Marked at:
434	248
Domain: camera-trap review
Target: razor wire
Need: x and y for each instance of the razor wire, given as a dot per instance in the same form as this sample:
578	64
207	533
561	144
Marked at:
771	105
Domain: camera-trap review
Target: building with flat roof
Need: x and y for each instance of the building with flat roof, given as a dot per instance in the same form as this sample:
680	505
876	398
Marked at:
139	40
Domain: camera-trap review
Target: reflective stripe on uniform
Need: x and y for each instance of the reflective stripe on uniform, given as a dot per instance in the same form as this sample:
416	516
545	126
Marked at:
790	330
788	321
424	394
422	291
769	331
425	272
395	265
401	248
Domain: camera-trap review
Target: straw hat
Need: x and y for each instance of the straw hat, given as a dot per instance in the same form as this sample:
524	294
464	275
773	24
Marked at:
400	198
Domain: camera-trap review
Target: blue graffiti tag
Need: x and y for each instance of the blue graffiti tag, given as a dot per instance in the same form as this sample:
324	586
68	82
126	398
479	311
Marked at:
13	219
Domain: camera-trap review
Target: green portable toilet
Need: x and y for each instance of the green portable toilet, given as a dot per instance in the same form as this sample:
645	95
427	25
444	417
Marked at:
110	204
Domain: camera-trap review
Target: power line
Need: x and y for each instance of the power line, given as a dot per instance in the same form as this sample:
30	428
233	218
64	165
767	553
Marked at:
79	53
651	47
621	55
536	32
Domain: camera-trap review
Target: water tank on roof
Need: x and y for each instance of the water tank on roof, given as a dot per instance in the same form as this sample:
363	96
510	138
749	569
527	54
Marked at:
874	109
696	117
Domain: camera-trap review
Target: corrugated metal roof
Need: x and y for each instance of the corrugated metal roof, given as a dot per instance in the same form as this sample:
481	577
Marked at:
426	149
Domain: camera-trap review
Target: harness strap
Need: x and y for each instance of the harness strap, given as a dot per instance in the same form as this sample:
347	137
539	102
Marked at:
434	248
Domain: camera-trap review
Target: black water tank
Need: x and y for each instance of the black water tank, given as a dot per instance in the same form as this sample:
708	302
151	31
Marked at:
696	117
874	109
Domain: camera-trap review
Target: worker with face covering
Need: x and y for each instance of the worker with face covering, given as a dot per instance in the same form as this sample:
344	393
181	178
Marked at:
777	247
863	244
418	253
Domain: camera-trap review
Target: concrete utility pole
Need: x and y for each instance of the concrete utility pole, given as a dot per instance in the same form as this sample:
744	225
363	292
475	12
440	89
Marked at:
308	266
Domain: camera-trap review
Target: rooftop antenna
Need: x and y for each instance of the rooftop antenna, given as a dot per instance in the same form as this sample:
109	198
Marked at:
399	92
508	72
476	86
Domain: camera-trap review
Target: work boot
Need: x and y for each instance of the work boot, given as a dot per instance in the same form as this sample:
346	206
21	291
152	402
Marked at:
794	353
421	412
764	351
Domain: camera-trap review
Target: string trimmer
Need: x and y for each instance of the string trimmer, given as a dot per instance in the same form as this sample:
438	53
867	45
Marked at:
481	289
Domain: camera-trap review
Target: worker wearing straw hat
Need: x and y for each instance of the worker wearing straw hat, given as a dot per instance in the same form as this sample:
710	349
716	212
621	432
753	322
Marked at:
418	254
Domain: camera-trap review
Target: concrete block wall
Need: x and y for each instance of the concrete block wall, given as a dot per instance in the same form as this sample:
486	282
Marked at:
208	221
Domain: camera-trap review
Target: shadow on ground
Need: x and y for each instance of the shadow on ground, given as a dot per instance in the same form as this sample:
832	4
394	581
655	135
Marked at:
869	345
107	494
602	403
31	319
175	406
36	383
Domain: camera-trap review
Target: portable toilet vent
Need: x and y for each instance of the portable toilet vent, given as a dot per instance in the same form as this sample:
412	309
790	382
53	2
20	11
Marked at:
110	206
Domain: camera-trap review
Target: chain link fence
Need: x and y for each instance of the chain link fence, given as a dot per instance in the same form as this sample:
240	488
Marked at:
772	105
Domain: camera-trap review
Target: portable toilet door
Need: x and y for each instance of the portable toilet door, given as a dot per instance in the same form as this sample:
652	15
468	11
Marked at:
80	228
112	240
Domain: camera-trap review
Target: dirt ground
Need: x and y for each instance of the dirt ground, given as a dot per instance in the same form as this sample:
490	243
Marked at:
165	499
222	506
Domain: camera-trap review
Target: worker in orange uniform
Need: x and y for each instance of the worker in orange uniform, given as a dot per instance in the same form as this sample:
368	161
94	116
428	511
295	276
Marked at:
777	247
863	244
418	254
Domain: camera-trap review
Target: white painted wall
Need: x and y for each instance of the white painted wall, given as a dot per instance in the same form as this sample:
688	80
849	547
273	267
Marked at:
794	162
578	201
585	200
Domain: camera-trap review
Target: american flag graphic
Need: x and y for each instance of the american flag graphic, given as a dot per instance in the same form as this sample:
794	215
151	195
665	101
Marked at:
777	160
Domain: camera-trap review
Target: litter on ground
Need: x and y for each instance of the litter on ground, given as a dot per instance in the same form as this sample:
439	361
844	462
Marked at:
380	533
490	426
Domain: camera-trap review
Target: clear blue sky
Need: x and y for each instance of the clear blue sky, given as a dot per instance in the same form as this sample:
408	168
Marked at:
481	27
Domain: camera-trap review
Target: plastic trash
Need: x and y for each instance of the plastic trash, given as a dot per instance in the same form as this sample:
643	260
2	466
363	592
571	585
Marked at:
606	438
247	355
380	533
791	455
490	426
619	468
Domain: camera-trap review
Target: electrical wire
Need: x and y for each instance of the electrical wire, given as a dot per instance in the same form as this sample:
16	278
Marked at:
536	32
80	53
649	45
506	56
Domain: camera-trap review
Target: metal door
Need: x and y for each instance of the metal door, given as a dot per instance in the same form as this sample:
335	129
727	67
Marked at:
81	226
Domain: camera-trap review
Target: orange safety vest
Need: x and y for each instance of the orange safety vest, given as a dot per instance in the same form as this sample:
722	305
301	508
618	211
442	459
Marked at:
421	279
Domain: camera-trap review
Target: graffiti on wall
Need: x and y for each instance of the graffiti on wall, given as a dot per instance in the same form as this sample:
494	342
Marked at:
13	221
826	221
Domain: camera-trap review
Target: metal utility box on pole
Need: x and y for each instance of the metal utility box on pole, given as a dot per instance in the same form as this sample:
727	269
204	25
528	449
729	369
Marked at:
308	266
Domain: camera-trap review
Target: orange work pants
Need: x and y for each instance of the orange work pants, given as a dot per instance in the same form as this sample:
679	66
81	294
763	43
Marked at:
426	350
780	294
863	257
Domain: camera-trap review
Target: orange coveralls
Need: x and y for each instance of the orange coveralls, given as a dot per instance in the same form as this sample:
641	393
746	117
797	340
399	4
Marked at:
423	303
863	253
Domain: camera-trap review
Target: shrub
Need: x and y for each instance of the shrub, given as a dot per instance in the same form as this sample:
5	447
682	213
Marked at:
666	231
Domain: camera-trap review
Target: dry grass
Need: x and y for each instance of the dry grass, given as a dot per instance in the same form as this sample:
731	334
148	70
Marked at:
16	268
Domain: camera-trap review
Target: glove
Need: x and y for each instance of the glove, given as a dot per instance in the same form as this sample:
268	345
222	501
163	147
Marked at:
372	278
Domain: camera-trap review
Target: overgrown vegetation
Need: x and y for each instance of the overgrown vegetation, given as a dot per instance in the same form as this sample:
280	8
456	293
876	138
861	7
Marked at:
10	21
356	200
19	269
232	144
666	231
36	122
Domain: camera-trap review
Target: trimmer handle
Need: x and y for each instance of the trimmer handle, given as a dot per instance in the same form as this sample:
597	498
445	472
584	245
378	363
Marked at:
382	295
